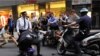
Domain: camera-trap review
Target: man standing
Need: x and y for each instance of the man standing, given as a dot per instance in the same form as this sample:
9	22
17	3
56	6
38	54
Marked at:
35	20
11	25
23	23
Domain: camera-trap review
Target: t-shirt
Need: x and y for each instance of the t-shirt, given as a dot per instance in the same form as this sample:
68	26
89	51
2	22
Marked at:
52	21
11	23
44	22
73	18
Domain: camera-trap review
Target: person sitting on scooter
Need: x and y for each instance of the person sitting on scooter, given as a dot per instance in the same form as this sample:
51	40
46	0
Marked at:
84	29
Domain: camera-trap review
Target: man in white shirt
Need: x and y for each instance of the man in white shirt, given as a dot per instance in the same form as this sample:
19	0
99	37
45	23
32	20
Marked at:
23	23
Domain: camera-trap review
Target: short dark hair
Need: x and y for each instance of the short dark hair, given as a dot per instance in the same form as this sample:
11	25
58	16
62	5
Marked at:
23	13
6	27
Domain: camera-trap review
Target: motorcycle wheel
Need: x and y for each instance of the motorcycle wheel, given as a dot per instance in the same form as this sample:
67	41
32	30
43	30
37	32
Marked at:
97	48
61	49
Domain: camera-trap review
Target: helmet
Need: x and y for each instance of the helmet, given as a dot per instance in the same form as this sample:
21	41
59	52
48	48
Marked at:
84	10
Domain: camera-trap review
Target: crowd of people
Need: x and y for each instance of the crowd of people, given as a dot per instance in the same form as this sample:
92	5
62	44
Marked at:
46	22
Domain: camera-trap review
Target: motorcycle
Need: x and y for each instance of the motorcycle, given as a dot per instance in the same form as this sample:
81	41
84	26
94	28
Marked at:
90	45
48	38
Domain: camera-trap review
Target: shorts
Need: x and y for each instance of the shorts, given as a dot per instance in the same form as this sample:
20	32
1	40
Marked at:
5	37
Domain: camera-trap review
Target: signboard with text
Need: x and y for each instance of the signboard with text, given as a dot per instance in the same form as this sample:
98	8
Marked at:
76	2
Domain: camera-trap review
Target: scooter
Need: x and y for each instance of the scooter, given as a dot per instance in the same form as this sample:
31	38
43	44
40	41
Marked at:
90	45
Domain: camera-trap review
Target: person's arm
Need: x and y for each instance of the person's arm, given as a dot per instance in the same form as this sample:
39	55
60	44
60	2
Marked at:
54	21
1	32
48	22
30	26
74	23
17	26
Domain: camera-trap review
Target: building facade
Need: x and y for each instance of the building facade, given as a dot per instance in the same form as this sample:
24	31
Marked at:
15	7
96	14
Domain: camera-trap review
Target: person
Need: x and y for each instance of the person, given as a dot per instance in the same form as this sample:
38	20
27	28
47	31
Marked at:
63	20
11	24
52	22
2	32
53	26
35	20
84	29
23	23
73	17
3	20
6	35
25	43
43	23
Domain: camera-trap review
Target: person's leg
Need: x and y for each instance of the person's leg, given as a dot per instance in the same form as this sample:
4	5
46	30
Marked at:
23	46
20	35
12	36
21	49
5	40
38	49
14	40
77	48
75	43
43	40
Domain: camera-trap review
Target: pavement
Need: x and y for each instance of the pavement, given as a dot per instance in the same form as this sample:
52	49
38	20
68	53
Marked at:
11	50
16	35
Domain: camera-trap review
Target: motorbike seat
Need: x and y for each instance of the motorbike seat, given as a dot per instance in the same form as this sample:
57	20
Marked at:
92	33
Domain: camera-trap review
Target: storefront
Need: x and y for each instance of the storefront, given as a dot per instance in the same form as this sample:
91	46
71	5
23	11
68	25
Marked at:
56	7
29	8
4	15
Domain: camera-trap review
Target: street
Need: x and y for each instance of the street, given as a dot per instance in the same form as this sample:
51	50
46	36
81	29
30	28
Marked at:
11	50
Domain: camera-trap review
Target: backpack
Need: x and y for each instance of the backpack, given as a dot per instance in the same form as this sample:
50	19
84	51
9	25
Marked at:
29	36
